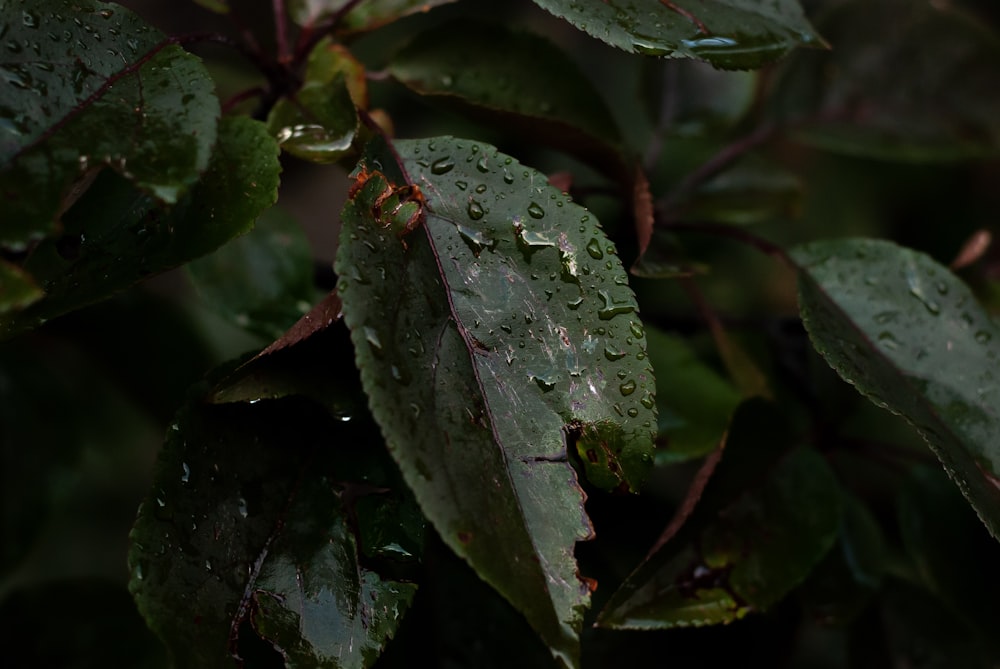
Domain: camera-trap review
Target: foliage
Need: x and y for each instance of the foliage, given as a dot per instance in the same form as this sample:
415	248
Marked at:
567	389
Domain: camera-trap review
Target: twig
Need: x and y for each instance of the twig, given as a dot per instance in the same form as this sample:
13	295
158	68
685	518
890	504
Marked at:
281	31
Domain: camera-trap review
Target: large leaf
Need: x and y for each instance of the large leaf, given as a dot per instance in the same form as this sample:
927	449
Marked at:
262	280
731	34
89	85
363	16
761	525
245	537
115	235
511	79
488	337
910	336
912	81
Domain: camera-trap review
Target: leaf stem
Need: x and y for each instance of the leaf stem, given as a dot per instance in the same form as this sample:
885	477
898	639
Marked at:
721	230
281	31
312	34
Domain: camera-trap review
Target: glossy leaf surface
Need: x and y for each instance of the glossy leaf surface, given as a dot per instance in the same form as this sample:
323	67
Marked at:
246	530
761	525
945	107
911	337
90	86
364	16
116	236
489	336
513	78
263	280
730	34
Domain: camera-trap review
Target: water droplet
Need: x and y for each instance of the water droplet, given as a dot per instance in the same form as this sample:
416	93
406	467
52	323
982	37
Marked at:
575	304
627	388
241	506
475	210
106	13
917	291
612	307
371	334
636	329
612	353
535	211
481	188
983	337
442	165
29	19
594	249
544	382
475	239
942	288
632	412
185	473
888	340
482	165
462	185
648	400
508	178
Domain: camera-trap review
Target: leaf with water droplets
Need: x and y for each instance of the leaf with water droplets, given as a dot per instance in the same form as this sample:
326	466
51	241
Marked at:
115	235
90	86
363	16
729	34
516	80
885	96
766	517
483	338
252	536
910	336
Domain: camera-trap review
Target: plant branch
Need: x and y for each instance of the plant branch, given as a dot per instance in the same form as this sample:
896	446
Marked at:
312	34
281	31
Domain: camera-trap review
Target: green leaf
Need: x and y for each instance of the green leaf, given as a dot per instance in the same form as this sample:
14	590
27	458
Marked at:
760	527
910	336
318	123
695	403
116	236
91	86
513	79
17	289
485	337
245	538
364	16
908	81
730	34
263	280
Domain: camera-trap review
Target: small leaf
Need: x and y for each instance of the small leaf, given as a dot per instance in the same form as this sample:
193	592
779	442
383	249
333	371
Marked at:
17	289
363	16
910	337
116	236
515	79
695	403
760	527
246	533
730	34
263	280
908	81
485	336
90	86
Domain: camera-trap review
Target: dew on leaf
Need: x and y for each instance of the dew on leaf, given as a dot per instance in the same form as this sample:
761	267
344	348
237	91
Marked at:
442	165
482	165
475	210
983	337
371	334
612	353
613	308
627	388
648	400
462	185
535	211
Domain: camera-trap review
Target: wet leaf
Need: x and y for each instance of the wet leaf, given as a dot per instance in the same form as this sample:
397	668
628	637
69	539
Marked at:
761	525
516	80
911	337
730	34
318	123
695	403
486	336
90	86
364	16
886	94
116	236
263	280
245	539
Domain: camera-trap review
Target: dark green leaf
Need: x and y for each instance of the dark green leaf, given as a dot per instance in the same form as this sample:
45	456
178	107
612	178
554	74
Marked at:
89	85
262	280
485	336
731	34
364	16
115	236
699	99
513	79
695	403
245	534
318	123
911	337
751	191
911	81
760	527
